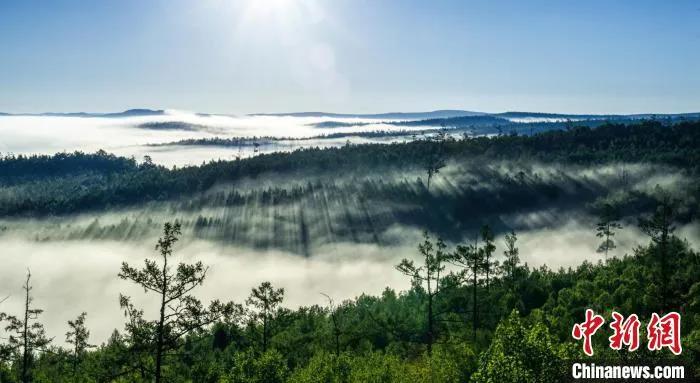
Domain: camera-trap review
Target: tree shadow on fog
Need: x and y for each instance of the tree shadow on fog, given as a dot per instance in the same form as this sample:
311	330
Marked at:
361	212
300	217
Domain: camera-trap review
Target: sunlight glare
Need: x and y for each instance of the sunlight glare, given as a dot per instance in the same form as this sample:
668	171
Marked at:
272	10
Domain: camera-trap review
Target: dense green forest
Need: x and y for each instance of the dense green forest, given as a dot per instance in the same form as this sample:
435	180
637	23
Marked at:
466	318
71	182
470	315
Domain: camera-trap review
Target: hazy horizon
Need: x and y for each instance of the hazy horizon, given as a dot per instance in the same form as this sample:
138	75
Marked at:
339	111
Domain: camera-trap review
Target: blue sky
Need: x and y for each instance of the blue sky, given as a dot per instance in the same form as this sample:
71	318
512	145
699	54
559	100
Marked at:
229	56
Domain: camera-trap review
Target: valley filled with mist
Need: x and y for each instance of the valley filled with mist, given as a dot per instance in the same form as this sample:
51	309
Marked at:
180	138
362	204
321	205
308	191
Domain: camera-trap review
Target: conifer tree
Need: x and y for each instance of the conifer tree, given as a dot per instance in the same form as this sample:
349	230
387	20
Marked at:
78	337
436	156
512	260
265	300
471	259
427	276
488	249
179	313
26	334
335	321
605	228
659	227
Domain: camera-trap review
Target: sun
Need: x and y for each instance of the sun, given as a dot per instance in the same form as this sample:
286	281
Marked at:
265	25
272	10
284	21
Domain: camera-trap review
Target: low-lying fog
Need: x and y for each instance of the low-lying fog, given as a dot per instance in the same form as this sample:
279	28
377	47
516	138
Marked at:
74	265
132	136
74	276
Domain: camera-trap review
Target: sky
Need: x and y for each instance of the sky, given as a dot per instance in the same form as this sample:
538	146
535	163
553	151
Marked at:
354	56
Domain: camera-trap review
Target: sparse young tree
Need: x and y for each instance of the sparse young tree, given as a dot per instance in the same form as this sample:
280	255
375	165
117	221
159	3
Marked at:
471	259
427	276
336	322
179	312
659	227
488	249
436	156
512	273
606	227
265	299
78	337
26	334
510	264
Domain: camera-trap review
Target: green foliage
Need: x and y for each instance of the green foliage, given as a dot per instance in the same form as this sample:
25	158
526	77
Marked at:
520	353
449	363
78	336
27	336
268	367
265	300
324	368
381	339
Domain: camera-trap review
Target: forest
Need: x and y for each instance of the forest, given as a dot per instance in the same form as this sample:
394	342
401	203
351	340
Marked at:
308	191
71	182
471	313
467	317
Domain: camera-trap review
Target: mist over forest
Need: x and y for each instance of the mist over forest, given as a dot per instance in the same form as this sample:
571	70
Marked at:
308	191
328	206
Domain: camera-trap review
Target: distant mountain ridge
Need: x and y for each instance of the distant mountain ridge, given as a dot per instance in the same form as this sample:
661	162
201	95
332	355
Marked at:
589	116
447	113
126	113
432	115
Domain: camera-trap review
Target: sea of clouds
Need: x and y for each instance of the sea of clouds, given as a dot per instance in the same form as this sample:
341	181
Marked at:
126	136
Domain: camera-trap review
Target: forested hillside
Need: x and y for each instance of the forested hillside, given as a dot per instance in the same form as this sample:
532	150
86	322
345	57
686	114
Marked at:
80	181
472	313
357	192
